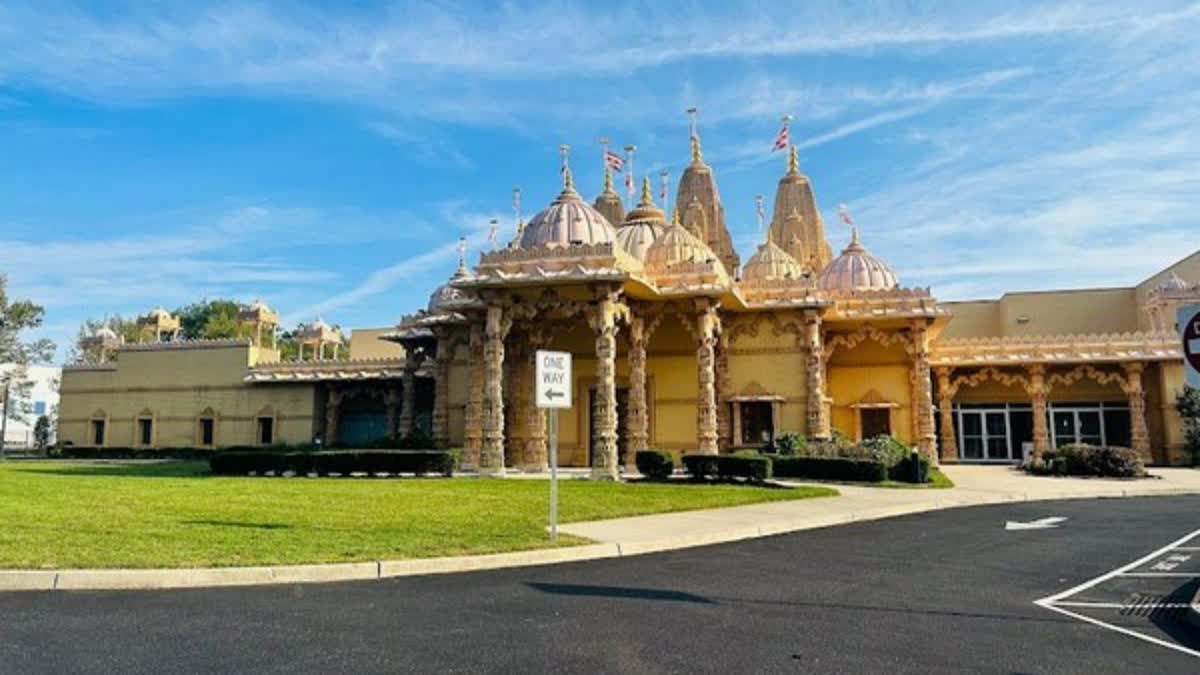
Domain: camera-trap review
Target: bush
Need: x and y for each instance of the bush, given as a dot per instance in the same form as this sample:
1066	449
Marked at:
884	449
1080	459
344	462
655	464
749	465
831	468
1188	405
75	452
903	471
786	444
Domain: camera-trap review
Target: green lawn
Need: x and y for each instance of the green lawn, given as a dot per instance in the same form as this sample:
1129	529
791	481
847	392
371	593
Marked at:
72	515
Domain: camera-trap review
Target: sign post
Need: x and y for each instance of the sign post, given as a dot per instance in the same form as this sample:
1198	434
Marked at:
1188	317
552	390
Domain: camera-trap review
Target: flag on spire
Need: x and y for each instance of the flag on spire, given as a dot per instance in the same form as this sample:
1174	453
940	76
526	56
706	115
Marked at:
783	137
629	188
665	177
493	228
462	251
758	209
844	215
613	161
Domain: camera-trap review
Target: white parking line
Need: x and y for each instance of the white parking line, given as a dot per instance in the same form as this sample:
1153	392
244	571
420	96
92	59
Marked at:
1056	602
1177	575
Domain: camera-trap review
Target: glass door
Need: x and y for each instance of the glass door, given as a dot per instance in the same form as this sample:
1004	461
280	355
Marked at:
983	435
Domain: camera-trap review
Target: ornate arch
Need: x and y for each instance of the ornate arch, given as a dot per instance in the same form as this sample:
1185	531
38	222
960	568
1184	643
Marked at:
1087	370
852	340
989	373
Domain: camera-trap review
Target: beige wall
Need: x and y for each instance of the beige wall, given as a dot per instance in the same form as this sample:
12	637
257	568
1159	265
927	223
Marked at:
174	387
1105	310
365	343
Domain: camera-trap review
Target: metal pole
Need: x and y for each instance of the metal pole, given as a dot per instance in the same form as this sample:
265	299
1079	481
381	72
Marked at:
553	475
4	420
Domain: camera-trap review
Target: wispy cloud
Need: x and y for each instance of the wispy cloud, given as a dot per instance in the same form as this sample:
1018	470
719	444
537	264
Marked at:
423	146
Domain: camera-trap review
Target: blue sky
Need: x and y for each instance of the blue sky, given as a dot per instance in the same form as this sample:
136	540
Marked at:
326	158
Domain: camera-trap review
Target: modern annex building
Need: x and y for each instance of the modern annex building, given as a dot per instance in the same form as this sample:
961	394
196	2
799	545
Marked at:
677	345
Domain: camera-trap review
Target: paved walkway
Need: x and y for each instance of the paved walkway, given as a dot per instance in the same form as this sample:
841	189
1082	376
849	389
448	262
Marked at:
973	485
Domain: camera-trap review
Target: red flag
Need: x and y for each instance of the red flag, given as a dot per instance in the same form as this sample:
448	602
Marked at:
629	184
844	214
613	161
781	140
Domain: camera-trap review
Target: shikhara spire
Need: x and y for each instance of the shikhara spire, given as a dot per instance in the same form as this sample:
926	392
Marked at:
793	166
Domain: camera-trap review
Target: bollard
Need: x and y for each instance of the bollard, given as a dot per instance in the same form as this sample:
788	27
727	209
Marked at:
916	466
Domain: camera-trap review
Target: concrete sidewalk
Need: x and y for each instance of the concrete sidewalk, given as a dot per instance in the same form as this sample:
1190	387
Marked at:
645	534
974	485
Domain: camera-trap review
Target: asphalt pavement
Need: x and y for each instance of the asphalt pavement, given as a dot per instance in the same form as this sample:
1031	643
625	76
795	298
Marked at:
947	591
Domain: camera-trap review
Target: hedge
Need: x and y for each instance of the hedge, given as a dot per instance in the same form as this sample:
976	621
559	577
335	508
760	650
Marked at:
1079	459
323	463
655	464
751	466
831	468
74	452
903	472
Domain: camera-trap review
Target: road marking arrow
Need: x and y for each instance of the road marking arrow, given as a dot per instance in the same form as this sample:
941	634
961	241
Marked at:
1039	524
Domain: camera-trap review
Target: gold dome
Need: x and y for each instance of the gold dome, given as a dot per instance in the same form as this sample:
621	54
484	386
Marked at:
770	263
676	246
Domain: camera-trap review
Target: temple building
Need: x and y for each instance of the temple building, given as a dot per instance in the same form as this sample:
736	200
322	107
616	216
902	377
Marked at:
677	345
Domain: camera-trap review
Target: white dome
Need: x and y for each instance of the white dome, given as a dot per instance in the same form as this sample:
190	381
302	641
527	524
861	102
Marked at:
857	270
106	334
446	297
770	263
675	246
636	238
568	220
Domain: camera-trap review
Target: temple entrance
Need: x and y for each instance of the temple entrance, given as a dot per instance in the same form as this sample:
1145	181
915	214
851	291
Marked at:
362	419
622	410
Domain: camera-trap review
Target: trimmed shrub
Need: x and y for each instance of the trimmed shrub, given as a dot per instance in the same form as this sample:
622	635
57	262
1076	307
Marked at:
831	468
749	465
655	464
903	471
343	462
1080	459
75	452
884	449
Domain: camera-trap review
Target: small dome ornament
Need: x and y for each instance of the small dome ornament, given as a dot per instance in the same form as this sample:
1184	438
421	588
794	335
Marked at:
567	221
643	226
676	246
771	263
857	270
447	298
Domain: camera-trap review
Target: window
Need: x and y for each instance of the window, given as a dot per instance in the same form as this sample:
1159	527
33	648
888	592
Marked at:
39	408
97	432
875	422
207	431
266	430
758	422
145	429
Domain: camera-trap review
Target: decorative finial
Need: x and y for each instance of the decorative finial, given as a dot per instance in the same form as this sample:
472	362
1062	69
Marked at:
629	190
758	209
793	161
665	178
782	138
697	155
647	200
564	152
607	162
462	253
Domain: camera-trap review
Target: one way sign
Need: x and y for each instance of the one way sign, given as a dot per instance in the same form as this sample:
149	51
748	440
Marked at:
553	388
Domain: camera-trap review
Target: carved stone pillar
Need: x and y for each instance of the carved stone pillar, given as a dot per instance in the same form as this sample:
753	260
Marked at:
723	386
333	414
491	456
391	403
1139	433
923	388
604	408
518	398
408	381
536	459
441	393
473	413
817	413
637	422
707	329
948	448
1039	396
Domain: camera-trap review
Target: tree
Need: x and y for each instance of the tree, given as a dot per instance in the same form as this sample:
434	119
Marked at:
42	433
1188	405
16	317
209	320
126	329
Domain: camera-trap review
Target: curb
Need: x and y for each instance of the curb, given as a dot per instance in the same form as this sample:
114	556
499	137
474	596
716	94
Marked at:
216	577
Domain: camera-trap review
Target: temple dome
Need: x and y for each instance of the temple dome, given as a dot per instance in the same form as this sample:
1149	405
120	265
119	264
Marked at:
770	263
568	220
857	270
446	296
675	246
643	225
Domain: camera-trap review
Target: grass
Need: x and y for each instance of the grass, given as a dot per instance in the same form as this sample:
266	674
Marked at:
175	514
937	481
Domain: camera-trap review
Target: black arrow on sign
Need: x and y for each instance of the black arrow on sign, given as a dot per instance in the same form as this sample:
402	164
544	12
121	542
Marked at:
552	394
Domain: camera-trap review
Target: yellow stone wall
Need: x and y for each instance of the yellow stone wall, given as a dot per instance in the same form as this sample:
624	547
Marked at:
365	343
174	386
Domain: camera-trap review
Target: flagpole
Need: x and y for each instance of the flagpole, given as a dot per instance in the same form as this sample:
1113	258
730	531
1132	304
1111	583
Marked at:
758	209
629	150
517	211
666	183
